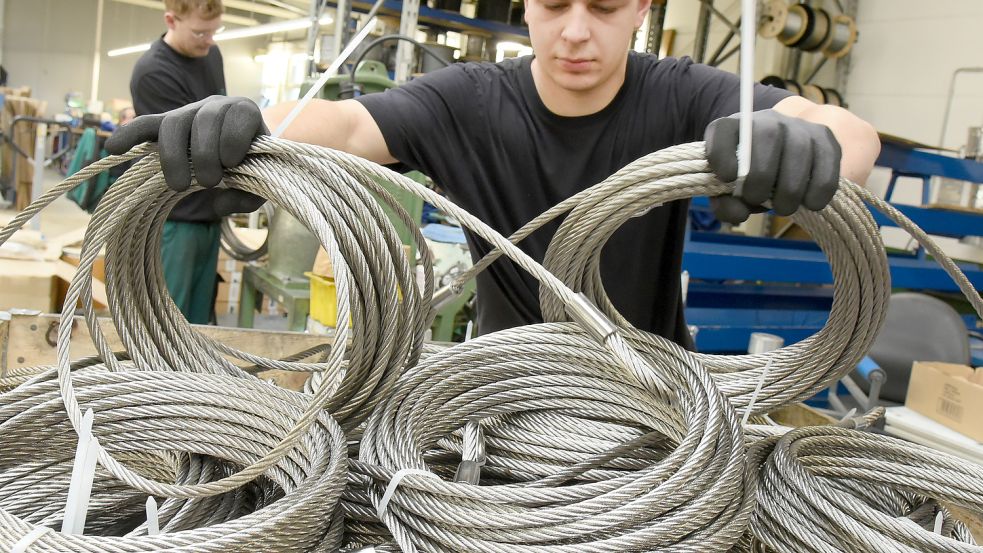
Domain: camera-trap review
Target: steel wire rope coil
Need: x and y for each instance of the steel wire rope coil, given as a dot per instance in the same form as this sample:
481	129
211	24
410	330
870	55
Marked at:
826	489
128	222
686	490
845	231
386	332
179	426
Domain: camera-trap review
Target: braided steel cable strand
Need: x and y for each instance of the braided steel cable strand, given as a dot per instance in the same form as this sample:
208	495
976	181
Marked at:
831	489
690	495
199	427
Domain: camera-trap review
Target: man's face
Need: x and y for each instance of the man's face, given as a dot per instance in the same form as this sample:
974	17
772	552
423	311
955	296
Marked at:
582	44
192	36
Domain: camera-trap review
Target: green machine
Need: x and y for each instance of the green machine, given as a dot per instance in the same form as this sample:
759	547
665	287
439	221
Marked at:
292	247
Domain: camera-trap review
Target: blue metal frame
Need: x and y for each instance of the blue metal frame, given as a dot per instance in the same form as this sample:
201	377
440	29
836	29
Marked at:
450	20
727	299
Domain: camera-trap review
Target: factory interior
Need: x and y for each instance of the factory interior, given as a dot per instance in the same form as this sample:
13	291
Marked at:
491	276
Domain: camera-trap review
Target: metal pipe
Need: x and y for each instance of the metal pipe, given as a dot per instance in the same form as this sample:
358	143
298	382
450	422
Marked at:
657	21
314	15
723	44
948	102
3	10
702	31
97	53
815	70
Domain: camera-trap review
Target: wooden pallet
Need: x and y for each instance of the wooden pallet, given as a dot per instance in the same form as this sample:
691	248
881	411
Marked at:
28	339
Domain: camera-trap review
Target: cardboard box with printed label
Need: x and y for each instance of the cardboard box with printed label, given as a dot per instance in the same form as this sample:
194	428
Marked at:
950	394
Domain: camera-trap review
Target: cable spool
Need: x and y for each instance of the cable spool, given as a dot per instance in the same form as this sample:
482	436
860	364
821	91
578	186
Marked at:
833	97
813	93
809	29
784	22
842	37
818	28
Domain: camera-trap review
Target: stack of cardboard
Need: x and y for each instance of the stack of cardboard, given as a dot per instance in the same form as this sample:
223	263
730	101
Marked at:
229	285
17	103
34	271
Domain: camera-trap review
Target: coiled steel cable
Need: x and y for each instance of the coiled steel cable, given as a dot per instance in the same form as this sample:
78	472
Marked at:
184	427
691	493
358	377
826	489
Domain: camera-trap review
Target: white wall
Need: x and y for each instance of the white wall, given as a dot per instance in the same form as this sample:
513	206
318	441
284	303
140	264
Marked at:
49	45
902	65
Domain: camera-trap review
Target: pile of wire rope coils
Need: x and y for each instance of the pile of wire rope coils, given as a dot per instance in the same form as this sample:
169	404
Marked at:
581	434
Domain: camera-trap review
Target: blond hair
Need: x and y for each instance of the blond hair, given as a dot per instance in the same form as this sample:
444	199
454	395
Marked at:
206	9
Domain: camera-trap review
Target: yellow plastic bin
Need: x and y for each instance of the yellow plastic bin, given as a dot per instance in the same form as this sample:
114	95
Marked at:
324	300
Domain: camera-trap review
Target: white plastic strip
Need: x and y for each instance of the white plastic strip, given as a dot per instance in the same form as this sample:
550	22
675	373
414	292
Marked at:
330	72
394	483
29	539
153	522
748	33
757	390
83	472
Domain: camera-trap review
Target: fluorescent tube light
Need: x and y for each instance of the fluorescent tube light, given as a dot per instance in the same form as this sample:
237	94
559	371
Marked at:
242	32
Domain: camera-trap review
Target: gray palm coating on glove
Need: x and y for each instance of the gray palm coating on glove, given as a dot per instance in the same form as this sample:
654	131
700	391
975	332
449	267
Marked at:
794	163
205	138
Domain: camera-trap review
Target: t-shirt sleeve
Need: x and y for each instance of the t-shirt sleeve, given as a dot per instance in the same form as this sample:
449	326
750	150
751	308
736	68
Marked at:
156	92
427	117
706	93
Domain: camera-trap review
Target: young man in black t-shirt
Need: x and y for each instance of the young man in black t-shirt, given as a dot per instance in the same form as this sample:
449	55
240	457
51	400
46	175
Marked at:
509	140
183	66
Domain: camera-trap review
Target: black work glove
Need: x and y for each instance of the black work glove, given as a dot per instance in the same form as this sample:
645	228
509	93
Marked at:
207	136
793	163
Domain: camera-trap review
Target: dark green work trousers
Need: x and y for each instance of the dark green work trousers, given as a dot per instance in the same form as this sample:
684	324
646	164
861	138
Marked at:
189	254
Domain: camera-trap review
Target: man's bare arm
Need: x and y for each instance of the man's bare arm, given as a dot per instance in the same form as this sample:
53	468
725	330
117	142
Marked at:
342	125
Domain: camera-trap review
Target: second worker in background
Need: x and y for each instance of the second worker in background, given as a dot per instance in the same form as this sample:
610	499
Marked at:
183	66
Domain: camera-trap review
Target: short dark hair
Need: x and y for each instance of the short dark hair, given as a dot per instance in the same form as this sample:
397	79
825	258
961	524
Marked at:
207	9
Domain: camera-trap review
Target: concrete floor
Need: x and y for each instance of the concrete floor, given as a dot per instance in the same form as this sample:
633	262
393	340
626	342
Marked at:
58	218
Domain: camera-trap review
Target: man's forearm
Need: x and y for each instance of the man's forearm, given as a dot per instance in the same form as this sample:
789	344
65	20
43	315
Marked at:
342	125
858	139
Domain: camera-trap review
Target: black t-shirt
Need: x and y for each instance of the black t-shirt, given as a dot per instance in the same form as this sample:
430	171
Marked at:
481	131
163	80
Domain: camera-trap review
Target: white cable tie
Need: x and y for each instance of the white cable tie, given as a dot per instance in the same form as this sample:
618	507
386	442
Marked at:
757	390
394	483
153	522
83	473
328	73
29	539
469	331
938	522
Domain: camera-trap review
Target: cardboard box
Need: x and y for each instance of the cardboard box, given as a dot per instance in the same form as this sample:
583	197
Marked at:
950	394
27	285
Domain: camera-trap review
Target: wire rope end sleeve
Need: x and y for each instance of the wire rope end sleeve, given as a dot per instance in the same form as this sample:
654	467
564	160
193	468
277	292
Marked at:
394	483
584	312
